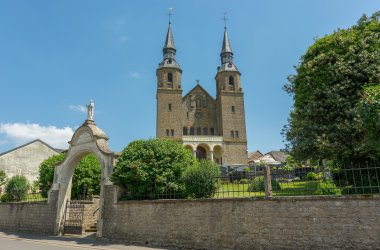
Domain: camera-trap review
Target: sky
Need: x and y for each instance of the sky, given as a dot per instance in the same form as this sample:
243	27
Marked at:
57	55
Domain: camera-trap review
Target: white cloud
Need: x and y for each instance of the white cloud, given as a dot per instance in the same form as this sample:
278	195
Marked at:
135	75
20	133
79	108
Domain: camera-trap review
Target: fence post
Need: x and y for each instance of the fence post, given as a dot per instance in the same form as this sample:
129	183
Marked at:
267	181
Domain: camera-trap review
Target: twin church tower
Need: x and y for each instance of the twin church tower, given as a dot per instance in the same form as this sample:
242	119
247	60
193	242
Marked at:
211	128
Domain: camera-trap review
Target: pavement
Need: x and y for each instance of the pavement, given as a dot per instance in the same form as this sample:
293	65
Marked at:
29	241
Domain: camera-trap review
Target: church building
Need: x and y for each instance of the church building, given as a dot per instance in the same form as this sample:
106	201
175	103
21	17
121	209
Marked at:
212	128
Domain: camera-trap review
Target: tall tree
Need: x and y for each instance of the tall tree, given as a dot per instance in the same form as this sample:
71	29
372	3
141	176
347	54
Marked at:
326	88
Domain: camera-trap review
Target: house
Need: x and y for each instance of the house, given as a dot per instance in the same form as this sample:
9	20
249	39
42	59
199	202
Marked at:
273	158
26	159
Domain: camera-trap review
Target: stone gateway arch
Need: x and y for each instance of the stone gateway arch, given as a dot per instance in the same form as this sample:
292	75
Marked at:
87	139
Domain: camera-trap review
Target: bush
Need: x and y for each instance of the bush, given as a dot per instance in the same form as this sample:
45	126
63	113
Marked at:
4	198
311	176
201	179
3	177
258	185
17	188
244	181
46	173
152	168
328	187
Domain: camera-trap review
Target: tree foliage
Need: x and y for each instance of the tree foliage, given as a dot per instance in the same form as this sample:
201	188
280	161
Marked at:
326	88
369	109
201	179
46	173
86	177
148	168
17	188
3	178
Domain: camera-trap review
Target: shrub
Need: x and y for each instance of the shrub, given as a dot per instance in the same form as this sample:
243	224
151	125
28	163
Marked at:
296	179
3	177
258	185
328	187
17	188
201	180
46	173
311	176
244	181
4	198
152	168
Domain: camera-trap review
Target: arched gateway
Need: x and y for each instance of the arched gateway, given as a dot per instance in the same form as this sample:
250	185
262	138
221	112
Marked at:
87	139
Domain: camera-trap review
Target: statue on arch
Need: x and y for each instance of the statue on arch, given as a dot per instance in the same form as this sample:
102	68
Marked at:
90	111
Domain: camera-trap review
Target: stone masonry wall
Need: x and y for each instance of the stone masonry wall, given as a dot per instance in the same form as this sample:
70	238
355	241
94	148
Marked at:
39	217
285	223
90	213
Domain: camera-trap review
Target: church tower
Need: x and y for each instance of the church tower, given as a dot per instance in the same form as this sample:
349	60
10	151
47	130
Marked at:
169	92
230	107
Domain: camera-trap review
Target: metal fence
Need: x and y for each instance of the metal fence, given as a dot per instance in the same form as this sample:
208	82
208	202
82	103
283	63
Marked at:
354	179
29	197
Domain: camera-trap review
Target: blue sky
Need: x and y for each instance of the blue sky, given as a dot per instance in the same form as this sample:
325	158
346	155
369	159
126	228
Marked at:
57	55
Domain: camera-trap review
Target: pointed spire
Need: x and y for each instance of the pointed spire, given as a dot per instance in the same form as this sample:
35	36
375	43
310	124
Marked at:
169	43
226	47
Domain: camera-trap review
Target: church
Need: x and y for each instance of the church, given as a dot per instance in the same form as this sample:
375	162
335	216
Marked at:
212	128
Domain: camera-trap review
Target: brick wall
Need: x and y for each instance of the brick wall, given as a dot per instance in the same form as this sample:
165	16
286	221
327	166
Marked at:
291	223
37	217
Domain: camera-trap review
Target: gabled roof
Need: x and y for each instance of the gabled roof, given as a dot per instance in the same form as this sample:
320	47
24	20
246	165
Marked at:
278	155
254	155
29	143
202	89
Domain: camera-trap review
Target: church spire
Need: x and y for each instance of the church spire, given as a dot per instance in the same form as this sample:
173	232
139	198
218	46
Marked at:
226	55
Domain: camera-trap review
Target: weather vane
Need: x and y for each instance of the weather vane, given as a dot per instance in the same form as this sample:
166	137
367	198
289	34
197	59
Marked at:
225	20
170	13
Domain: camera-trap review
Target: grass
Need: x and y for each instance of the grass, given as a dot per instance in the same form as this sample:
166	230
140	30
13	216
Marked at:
233	190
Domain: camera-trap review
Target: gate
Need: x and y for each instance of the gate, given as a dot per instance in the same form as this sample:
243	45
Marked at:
74	217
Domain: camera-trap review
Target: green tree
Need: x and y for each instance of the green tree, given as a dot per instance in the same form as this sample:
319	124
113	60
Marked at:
86	177
369	109
327	86
17	188
150	168
201	179
46	173
3	178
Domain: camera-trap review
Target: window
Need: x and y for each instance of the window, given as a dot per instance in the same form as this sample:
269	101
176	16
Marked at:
233	109
191	131
172	132
236	134
170	107
167	132
231	80
187	114
170	77
198	131
232	134
198	103
211	131
205	131
184	130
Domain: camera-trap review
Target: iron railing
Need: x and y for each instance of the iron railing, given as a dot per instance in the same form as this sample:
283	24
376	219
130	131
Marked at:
349	180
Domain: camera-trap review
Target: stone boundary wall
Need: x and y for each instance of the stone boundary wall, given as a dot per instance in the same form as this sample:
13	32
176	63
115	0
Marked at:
39	217
243	223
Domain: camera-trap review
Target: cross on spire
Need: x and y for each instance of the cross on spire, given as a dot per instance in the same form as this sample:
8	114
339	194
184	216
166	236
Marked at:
225	20
170	13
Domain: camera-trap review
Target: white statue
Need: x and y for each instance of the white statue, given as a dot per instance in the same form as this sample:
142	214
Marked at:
90	111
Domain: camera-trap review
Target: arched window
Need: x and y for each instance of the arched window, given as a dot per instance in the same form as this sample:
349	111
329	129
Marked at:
211	131
231	80
184	130
198	131
205	131
191	131
170	77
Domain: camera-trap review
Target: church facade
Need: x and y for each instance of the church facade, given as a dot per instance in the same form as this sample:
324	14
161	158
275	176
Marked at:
212	128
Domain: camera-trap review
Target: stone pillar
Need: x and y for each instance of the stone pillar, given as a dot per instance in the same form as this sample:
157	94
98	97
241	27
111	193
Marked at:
267	181
212	156
195	153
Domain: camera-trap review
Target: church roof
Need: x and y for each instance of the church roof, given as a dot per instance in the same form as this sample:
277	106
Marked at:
29	143
201	88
